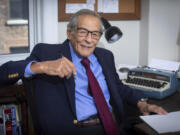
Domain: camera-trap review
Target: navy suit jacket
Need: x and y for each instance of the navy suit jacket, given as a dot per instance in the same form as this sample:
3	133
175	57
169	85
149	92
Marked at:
55	96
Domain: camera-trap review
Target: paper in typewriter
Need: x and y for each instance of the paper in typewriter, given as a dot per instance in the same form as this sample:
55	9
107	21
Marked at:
163	123
164	64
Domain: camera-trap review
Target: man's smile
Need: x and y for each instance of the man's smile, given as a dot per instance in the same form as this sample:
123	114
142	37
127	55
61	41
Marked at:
86	46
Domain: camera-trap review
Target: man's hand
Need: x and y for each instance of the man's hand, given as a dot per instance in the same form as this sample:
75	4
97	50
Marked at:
61	67
146	108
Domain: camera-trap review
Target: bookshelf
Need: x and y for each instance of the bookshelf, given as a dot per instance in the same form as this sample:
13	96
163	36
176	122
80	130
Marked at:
15	94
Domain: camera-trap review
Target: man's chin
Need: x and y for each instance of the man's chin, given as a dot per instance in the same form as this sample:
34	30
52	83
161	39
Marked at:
85	54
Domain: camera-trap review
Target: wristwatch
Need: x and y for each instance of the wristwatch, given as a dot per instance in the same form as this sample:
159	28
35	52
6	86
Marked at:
144	99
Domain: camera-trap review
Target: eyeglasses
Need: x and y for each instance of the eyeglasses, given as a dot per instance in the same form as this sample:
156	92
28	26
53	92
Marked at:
83	32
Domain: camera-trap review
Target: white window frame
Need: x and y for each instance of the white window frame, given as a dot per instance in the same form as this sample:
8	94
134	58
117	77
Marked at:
34	22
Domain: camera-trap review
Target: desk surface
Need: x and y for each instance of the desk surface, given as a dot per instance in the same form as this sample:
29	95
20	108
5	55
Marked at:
171	103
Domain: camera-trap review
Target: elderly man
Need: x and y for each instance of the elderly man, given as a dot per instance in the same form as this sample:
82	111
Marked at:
77	89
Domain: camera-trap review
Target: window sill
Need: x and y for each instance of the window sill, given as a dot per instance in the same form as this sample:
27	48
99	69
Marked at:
17	22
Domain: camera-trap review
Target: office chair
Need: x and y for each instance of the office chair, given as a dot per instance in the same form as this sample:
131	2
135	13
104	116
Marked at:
30	97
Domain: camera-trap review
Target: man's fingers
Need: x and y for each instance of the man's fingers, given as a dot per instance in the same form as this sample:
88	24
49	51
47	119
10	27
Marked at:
66	71
70	66
66	67
157	109
61	67
146	108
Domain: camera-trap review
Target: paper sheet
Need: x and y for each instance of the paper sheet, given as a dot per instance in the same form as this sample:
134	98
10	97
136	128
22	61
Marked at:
108	6
164	64
164	123
72	8
90	2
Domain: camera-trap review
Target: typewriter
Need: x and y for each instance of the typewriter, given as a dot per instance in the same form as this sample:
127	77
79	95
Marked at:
154	83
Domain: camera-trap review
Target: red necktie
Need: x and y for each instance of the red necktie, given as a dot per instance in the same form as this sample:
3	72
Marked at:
108	123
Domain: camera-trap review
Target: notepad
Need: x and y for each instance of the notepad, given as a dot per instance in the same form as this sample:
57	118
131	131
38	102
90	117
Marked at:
163	123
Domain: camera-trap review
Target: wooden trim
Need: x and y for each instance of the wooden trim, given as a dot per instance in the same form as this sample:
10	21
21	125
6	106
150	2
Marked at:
62	16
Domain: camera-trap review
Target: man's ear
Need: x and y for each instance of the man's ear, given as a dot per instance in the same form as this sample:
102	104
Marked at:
69	36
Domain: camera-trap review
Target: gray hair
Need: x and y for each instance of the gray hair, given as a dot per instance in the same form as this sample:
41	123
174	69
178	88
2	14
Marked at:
72	25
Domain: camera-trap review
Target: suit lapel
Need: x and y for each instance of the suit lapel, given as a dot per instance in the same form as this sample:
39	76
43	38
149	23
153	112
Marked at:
69	83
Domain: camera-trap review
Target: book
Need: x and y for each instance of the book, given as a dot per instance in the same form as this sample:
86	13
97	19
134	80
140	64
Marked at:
10	120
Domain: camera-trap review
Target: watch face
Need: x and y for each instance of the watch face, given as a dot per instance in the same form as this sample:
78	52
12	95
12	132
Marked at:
144	99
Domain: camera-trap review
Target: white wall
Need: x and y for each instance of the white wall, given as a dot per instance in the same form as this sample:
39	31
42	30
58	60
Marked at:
164	28
49	21
126	49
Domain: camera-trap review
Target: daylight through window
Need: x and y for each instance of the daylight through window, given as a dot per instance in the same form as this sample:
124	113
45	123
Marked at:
14	26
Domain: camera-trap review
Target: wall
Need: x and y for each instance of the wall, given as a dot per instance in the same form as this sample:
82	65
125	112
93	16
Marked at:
164	28
48	33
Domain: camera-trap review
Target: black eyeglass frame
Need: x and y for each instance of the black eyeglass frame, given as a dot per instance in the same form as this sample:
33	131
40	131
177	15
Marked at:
94	34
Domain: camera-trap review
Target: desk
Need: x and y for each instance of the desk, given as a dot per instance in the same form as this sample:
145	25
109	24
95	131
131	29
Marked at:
171	103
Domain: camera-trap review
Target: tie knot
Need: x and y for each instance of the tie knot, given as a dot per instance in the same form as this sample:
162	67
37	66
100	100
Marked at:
85	62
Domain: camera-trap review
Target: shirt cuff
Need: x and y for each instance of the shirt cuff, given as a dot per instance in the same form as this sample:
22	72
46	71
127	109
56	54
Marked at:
28	72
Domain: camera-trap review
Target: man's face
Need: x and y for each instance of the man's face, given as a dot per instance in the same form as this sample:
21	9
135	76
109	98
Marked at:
86	37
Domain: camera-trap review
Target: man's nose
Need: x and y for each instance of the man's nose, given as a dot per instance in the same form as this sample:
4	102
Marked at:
89	37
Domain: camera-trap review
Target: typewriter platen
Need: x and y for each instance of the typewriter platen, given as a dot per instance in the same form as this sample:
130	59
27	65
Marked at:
154	83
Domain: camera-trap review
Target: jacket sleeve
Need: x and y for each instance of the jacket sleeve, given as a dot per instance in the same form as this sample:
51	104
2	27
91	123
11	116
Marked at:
11	72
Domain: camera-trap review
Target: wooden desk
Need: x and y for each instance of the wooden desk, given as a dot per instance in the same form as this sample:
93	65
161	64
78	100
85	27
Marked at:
171	103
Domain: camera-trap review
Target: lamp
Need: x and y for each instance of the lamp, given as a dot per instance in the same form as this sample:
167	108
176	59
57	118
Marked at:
112	33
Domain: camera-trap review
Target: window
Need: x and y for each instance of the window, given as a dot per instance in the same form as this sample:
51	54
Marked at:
16	29
18	9
14	36
17	12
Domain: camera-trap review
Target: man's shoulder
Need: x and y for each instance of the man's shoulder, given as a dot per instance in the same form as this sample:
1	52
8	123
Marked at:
46	51
103	51
46	46
49	47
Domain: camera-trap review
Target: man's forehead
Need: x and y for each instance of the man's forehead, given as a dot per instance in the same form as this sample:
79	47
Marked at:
85	19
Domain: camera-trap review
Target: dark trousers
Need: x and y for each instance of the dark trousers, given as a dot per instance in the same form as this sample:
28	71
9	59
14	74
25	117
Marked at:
92	130
99	130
